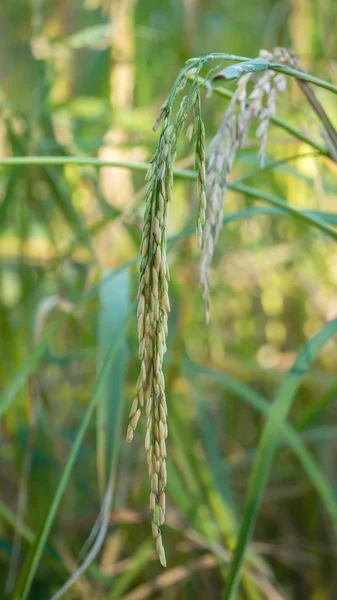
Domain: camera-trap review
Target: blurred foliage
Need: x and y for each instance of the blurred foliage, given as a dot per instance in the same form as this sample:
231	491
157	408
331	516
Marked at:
87	78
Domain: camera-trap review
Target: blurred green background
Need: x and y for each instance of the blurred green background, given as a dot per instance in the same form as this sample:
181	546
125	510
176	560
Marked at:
87	79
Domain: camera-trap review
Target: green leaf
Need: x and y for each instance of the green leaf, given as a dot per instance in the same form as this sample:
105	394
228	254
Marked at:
64	203
248	66
246	213
20	379
141	557
114	307
268	443
213	453
11	519
288	433
315	409
31	564
9	196
9	394
309	217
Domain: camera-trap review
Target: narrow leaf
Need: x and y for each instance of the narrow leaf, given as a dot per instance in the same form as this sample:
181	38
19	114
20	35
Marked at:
268	443
31	564
248	66
288	433
114	306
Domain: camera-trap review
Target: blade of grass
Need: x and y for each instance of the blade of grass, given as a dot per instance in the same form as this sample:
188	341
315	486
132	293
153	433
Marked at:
10	392
304	216
273	164
72	160
291	437
213	452
140	559
64	203
103	526
205	507
185	469
302	76
114	306
275	66
266	448
30	566
114	309
59	192
246	213
28	366
11	519
316	408
215	481
9	196
317	434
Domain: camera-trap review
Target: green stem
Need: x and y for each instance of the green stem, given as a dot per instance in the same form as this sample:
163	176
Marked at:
13	161
304	77
180	173
86	161
275	66
24	582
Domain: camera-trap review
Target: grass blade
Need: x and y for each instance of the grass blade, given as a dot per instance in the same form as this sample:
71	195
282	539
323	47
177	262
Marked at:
307	217
315	409
289	434
114	307
11	519
20	379
213	453
9	394
64	203
29	569
140	559
247	213
267	446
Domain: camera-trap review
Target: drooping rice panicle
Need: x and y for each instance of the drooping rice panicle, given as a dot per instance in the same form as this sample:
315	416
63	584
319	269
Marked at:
153	308
153	293
224	146
152	313
229	137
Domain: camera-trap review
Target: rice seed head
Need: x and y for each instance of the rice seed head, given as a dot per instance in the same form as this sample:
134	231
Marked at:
154	276
152	315
230	137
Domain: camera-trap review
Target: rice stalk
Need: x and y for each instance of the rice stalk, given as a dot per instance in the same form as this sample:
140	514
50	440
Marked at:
153	291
